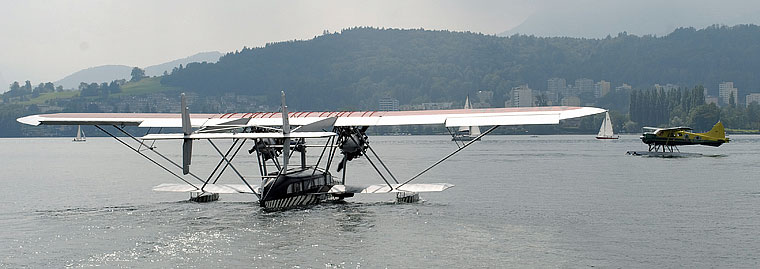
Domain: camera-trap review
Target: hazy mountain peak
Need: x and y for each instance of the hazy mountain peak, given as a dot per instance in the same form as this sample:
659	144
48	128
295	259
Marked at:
107	73
157	70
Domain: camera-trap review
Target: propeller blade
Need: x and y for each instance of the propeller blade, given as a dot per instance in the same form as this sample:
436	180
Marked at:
187	152
285	131
187	144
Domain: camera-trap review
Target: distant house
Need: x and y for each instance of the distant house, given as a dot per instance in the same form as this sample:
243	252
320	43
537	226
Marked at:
601	88
726	90
753	97
387	104
520	96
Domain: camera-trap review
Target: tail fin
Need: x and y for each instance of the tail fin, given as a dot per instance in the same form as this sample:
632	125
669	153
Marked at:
717	131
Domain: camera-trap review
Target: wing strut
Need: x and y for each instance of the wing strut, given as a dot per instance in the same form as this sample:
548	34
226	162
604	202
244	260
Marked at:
151	149
448	156
229	163
146	157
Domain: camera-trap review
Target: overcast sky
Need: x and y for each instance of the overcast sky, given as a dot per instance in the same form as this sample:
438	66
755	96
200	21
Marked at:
48	40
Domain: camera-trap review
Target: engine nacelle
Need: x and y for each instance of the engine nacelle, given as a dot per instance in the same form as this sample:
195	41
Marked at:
352	146
262	148
352	143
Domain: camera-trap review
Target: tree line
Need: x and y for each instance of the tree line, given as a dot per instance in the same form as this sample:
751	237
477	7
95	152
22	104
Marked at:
687	107
354	68
102	89
17	90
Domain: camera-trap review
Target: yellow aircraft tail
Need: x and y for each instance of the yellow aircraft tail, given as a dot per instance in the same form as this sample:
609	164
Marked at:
717	131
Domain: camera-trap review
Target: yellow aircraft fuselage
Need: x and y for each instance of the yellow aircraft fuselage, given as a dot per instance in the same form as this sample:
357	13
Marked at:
681	136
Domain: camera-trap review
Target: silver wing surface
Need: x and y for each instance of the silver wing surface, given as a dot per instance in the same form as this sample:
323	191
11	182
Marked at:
450	118
211	188
380	188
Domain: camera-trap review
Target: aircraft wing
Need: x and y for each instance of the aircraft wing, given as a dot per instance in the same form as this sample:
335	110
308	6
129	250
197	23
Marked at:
381	188
450	118
660	130
213	188
237	135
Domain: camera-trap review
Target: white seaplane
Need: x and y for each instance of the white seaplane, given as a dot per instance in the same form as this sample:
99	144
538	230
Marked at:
277	135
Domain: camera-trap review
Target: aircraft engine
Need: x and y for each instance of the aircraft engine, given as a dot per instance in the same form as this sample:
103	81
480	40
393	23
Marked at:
352	142
263	148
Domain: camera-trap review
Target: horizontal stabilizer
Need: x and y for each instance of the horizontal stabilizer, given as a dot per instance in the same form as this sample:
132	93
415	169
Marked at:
380	188
237	135
212	188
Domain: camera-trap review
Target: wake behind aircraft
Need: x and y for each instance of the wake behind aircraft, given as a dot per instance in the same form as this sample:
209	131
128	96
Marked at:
276	136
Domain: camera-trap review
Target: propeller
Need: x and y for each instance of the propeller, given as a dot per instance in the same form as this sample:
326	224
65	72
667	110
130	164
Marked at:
187	143
352	142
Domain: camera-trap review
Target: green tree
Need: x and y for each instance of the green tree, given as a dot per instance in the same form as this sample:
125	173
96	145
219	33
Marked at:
15	86
542	100
137	74
704	117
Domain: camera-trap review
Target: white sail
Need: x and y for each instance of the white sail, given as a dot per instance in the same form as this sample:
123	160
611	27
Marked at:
606	129
474	131
80	135
466	106
468	131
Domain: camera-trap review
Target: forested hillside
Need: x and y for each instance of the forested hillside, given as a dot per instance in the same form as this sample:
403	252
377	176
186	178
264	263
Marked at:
353	68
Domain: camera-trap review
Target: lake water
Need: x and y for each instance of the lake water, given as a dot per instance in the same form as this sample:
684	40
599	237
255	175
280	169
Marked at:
519	201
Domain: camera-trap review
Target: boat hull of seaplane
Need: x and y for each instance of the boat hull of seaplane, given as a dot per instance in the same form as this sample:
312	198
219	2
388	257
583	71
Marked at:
657	140
297	187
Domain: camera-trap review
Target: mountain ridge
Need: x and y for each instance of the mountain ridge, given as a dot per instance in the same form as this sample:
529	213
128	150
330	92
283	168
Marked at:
107	73
356	67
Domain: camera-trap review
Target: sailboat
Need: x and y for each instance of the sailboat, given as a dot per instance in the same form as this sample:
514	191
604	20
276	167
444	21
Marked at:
605	131
80	135
466	133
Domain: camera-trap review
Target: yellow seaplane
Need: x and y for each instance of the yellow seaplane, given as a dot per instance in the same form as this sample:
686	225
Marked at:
667	140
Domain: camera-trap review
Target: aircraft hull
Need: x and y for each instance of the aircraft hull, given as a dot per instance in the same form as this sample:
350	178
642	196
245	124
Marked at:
295	188
293	201
653	139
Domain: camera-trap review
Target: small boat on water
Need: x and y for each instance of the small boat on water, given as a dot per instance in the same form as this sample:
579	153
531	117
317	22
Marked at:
80	135
466	133
605	131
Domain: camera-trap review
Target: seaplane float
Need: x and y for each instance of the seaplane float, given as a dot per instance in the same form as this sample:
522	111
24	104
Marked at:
664	142
276	136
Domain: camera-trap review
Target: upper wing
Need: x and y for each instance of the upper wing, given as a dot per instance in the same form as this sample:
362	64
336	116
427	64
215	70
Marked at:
661	130
451	118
